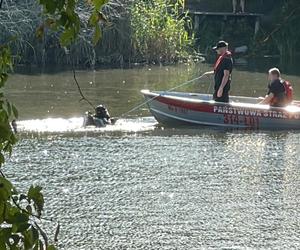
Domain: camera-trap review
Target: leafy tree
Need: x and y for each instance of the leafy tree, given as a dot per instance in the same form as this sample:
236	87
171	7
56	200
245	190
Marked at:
63	15
20	213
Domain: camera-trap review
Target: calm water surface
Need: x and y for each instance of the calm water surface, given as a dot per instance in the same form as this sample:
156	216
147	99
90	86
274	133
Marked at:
140	186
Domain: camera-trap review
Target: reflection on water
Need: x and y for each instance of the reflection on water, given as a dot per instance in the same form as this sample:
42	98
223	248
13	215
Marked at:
139	186
167	189
55	94
74	125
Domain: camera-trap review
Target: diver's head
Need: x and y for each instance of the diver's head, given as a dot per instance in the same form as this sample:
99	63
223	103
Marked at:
100	108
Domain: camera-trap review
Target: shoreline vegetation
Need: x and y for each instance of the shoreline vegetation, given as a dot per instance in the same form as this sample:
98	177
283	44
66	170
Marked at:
141	32
135	32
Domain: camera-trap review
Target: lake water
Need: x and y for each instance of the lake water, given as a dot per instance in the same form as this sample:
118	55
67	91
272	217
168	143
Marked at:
140	186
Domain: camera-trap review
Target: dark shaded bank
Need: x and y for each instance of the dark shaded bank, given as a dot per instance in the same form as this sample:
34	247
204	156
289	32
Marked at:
278	33
263	64
251	64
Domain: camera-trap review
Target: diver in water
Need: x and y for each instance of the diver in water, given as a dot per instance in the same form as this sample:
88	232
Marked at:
101	118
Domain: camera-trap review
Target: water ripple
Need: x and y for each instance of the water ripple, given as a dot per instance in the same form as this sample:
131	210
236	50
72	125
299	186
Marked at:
210	190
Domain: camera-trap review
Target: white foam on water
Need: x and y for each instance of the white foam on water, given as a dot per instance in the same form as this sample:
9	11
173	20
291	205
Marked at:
61	125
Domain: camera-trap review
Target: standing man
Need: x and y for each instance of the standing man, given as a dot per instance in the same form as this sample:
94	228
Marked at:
222	72
234	5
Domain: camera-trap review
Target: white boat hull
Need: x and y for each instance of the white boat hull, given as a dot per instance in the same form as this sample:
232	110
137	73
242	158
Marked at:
176	108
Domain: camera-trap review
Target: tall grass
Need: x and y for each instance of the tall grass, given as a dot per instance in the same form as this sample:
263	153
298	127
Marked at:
20	19
159	30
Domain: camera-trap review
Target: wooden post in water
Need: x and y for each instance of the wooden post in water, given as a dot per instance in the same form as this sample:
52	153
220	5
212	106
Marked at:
196	22
257	26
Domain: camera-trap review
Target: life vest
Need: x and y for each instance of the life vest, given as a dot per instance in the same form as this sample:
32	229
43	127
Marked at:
227	54
289	92
288	88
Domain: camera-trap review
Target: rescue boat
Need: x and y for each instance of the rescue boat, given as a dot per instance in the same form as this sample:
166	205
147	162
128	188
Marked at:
181	108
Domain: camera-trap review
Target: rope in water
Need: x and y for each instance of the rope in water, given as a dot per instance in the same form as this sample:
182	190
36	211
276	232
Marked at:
154	97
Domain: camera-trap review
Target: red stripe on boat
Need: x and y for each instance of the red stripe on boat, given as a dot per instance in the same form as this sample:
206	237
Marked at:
201	107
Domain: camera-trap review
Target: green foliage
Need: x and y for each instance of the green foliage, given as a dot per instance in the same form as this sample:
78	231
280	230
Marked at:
18	212
7	110
63	14
159	32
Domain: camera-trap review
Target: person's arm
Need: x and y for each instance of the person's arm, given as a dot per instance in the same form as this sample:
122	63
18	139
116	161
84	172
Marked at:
223	83
267	99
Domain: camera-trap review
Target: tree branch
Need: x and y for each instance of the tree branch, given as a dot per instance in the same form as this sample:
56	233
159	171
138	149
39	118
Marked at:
1	2
79	89
1	173
42	233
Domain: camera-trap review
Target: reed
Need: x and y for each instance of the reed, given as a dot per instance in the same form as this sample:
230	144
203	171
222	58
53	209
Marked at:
159	31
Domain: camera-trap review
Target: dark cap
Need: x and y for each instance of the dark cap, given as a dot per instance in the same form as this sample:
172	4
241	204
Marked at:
220	44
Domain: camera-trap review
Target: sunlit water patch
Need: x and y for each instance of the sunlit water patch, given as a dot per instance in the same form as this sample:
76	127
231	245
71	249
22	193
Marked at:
61	125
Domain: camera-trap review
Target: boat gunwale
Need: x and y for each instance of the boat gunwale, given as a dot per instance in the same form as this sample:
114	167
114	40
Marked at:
166	94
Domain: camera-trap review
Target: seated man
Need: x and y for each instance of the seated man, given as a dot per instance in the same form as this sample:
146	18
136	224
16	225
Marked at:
279	90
